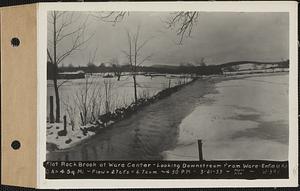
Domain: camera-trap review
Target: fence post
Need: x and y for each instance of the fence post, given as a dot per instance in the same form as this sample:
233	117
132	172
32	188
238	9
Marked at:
65	123
200	150
51	110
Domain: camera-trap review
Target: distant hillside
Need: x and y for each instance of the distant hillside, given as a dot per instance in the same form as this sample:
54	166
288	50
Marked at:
163	66
228	64
181	69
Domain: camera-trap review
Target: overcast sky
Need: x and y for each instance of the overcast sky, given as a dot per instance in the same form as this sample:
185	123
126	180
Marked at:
218	37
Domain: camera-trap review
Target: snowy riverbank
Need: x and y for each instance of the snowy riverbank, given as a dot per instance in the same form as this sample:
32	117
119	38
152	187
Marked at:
246	119
160	87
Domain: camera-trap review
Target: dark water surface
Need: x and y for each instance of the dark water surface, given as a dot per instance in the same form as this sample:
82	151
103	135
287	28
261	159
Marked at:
144	135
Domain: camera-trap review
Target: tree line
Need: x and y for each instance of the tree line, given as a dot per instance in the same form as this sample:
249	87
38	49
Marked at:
126	68
119	70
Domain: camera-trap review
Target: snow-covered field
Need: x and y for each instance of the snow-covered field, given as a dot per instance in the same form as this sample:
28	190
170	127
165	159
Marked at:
121	91
243	71
246	119
119	94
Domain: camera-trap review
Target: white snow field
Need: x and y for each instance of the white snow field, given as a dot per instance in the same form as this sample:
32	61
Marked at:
247	119
120	95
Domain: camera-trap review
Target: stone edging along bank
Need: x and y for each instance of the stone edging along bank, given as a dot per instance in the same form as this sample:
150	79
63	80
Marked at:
108	119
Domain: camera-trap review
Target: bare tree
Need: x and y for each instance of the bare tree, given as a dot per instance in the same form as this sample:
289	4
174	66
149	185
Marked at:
91	66
88	101
92	58
108	85
117	69
202	62
183	22
88	98
134	55
63	28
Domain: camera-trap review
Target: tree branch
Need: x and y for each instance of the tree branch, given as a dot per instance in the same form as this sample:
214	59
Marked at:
185	22
49	56
76	46
145	59
65	81
112	16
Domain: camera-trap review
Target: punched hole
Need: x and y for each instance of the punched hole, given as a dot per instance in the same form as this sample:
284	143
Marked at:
16	145
15	42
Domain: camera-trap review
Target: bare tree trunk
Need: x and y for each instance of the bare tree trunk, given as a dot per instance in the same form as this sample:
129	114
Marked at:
51	110
57	101
135	91
107	94
85	109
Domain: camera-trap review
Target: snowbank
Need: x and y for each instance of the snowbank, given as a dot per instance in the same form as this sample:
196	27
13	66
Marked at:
55	141
248	119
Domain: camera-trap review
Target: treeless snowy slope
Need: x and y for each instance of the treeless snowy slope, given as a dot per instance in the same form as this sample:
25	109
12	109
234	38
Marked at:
246	119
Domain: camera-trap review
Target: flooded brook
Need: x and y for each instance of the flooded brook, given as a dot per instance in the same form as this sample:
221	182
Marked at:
143	136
